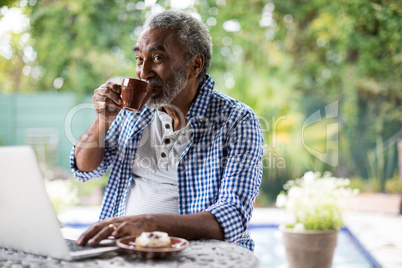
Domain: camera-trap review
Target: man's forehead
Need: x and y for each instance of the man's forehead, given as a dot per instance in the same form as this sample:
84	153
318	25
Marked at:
157	39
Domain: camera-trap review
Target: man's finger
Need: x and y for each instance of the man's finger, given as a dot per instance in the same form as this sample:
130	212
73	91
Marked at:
88	234
102	234
110	94
123	230
116	88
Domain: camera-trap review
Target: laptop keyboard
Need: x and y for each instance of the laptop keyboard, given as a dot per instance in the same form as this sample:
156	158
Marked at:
74	247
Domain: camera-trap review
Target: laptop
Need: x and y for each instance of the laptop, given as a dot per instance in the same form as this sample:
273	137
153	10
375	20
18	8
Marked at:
28	221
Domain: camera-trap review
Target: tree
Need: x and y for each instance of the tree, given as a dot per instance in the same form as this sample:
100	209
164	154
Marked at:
83	43
286	59
16	52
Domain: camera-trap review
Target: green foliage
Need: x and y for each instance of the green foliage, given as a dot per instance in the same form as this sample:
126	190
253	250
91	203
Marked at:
83	42
13	47
286	59
350	51
8	3
394	185
358	183
326	217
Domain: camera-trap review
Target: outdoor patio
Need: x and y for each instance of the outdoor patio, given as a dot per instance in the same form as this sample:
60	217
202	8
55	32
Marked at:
373	220
323	78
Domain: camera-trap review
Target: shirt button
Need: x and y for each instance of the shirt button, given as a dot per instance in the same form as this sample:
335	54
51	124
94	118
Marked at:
167	141
167	126
163	155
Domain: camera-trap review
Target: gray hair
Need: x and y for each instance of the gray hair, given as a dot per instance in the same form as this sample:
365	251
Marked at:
193	38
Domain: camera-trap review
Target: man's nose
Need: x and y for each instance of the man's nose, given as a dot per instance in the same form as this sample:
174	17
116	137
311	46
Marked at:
146	70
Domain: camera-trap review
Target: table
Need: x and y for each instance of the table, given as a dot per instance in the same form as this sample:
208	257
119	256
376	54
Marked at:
206	254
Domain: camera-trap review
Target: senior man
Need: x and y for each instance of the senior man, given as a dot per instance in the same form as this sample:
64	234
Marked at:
190	163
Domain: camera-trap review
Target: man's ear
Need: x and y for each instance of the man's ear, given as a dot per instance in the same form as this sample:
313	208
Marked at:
197	64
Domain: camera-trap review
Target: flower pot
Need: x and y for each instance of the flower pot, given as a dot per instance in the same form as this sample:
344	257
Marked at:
309	249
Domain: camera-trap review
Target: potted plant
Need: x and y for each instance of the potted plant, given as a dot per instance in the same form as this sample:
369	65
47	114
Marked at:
314	205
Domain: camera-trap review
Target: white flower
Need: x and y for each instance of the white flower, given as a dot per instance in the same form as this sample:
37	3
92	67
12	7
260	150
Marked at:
281	201
309	177
299	227
314	202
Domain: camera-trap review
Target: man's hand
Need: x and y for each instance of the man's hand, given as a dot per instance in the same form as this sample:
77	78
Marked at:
202	225
107	101
117	227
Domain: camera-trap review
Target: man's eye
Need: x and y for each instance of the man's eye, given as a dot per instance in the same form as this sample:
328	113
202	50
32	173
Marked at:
138	59
157	58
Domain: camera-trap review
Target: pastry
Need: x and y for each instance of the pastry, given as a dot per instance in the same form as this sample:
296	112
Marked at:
153	240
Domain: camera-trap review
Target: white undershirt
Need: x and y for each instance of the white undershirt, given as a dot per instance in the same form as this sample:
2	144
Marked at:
154	188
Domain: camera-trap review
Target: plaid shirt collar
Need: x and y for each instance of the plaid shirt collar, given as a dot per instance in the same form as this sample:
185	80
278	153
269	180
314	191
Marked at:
200	105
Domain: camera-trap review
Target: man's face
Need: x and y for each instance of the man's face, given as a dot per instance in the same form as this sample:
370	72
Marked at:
160	61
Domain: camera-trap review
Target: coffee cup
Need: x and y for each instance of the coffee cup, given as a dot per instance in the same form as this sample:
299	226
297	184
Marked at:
135	93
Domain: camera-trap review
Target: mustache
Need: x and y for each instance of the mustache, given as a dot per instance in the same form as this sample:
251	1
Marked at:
156	81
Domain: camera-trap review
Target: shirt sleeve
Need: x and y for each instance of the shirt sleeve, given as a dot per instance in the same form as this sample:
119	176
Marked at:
111	145
241	179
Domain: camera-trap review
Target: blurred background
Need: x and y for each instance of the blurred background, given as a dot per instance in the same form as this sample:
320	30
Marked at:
324	78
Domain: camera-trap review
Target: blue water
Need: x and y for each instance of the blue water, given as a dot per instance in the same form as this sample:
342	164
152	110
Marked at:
271	253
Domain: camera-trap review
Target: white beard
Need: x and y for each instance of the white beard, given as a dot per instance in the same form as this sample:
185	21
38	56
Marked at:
169	89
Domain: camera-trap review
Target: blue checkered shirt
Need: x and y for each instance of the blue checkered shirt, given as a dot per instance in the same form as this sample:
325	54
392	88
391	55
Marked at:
219	171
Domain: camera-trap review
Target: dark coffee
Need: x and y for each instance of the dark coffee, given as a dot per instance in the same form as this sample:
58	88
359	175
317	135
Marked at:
135	93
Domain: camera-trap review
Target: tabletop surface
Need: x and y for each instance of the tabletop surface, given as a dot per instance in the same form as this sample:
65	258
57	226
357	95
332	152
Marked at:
208	253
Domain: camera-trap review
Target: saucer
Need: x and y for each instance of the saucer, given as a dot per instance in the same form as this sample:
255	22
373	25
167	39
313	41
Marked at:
177	245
